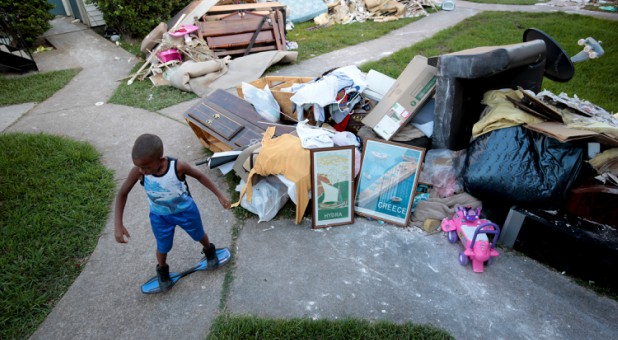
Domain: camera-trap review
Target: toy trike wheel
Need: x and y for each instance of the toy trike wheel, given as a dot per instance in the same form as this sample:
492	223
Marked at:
452	236
463	259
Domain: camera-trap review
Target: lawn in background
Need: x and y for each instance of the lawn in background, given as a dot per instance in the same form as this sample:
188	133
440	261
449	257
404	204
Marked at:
55	198
34	87
594	80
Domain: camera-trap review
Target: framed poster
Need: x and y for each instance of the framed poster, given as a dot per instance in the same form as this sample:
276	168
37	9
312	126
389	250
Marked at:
387	180
332	186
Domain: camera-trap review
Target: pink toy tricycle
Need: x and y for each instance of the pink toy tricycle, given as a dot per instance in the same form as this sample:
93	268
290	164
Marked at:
467	226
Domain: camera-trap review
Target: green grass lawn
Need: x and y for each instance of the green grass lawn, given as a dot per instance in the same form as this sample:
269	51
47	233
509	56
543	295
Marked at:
55	199
248	327
594	80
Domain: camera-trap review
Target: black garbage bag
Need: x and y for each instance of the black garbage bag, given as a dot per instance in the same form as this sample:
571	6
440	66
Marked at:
518	166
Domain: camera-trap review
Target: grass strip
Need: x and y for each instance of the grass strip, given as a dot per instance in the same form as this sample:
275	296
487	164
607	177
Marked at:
249	327
35	87
55	199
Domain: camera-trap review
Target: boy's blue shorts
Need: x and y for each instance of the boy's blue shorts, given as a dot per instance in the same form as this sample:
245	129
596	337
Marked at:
163	227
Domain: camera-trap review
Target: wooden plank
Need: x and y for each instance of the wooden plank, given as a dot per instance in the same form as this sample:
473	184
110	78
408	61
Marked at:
215	17
280	26
273	18
241	51
239	40
226	27
246	7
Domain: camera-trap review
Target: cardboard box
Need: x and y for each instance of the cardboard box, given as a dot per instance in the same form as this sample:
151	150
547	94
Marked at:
276	84
563	133
404	99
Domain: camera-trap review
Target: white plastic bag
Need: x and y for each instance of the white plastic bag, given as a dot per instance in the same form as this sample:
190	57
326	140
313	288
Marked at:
269	195
443	168
263	101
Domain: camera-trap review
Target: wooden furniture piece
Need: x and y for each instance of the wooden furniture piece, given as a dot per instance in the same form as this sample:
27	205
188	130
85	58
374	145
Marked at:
237	30
595	202
224	122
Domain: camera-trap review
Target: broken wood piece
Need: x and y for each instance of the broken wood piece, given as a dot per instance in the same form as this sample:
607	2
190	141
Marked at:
141	69
243	33
255	34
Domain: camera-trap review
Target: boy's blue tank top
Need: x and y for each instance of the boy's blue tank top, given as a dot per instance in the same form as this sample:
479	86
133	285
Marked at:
167	193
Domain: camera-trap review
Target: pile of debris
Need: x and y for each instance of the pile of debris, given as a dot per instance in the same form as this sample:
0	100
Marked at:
209	35
469	128
348	11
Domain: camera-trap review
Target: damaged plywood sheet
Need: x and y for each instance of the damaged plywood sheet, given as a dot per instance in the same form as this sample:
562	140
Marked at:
190	14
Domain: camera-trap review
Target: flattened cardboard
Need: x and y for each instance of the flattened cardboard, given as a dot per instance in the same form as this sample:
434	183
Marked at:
563	133
404	99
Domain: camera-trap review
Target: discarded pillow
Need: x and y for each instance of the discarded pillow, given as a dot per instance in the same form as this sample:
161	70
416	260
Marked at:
263	100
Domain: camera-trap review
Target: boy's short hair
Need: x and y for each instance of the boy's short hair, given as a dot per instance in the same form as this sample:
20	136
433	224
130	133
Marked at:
147	146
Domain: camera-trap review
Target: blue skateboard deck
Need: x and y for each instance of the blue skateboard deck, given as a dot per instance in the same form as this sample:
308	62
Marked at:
152	285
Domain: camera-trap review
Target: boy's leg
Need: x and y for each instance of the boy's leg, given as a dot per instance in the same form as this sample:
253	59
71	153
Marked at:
161	259
164	234
191	222
205	241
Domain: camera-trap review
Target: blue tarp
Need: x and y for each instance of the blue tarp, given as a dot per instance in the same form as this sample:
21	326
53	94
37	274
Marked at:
304	10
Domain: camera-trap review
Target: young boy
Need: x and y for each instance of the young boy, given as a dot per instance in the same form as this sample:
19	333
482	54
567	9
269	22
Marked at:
164	179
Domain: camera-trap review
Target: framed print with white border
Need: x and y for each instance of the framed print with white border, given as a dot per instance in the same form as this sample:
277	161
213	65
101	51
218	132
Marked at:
387	180
332	186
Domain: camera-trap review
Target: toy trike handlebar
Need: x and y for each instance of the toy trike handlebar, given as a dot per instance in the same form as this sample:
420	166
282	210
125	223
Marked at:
480	230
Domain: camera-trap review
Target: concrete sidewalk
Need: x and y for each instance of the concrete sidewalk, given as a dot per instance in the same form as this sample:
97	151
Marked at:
367	270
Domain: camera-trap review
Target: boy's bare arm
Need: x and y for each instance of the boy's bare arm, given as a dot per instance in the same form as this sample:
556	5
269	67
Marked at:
120	231
186	169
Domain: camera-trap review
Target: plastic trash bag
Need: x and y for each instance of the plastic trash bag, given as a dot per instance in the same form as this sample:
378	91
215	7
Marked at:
269	196
442	169
519	166
263	101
